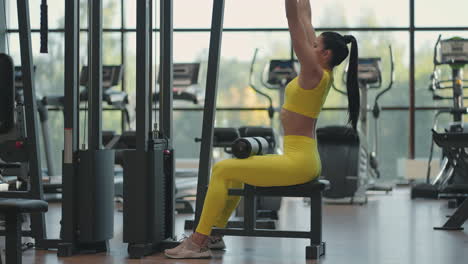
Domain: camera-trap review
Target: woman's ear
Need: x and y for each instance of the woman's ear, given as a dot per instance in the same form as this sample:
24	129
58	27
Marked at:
327	54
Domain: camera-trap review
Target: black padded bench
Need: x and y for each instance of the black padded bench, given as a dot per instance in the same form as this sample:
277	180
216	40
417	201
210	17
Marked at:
12	209
312	190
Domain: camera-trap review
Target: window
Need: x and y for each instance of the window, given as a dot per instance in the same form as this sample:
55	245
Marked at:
249	22
56	14
361	13
436	13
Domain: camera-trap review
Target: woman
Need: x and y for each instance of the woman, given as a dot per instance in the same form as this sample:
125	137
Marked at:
300	163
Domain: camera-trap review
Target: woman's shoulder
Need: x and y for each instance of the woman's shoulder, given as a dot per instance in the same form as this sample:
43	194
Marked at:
313	80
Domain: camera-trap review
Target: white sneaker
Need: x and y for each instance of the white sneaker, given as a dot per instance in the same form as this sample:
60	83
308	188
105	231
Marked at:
188	250
216	243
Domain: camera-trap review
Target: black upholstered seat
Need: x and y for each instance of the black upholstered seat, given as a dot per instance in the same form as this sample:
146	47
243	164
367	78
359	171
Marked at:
300	190
23	206
12	209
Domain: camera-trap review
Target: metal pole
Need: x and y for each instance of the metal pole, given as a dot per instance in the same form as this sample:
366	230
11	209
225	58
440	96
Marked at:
457	77
2	27
166	99
210	105
142	81
166	65
150	67
71	115
412	112
32	143
122	59
95	75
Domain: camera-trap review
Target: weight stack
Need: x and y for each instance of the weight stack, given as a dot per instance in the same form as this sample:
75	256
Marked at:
95	189
145	195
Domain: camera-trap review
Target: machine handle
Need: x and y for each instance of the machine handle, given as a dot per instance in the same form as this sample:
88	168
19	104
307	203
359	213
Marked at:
435	51
338	90
251	81
262	74
392	75
440	97
44	27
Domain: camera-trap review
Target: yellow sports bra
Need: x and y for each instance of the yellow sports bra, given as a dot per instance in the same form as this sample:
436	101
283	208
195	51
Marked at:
307	102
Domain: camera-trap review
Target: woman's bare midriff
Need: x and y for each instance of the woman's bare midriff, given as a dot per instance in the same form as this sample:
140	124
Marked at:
297	124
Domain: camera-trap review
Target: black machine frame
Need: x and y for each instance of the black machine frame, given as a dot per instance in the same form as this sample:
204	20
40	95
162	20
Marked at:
451	181
204	170
3	27
87	218
38	228
453	161
149	169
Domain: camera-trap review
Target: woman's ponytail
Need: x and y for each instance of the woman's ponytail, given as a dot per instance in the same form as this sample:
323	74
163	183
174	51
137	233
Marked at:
352	82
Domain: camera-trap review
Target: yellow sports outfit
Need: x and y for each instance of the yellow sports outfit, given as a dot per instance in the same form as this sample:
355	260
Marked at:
299	164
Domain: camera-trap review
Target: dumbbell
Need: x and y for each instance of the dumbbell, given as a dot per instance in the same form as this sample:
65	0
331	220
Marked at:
243	148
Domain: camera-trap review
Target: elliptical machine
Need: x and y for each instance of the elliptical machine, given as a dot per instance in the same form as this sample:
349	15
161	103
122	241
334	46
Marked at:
342	145
453	176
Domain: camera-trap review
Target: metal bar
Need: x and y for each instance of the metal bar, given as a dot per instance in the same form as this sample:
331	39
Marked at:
431	108
166	103
71	117
210	105
13	238
326	29
34	156
412	84
166	64
125	30
261	233
229	109
142	81
122	59
83	109
95	75
3	27
457	77
458	218
286	29
444	167
150	69
16	194
44	120
260	192
440	28
316	218
232	109
250	210
45	244
24	233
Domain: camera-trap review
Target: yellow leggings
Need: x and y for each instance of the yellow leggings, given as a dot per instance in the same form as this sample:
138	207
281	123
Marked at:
299	164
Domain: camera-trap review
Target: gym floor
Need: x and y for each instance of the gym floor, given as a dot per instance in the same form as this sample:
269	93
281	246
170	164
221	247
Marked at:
389	229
